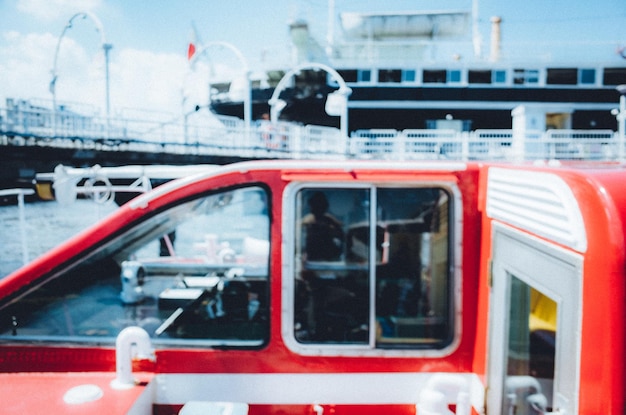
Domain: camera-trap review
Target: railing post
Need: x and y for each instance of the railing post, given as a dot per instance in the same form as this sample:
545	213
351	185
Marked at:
465	135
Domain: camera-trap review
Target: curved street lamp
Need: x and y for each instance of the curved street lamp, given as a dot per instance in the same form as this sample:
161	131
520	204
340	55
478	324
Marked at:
247	99
336	104
106	47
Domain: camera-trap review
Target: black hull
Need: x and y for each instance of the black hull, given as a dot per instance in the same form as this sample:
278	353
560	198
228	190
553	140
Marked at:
401	108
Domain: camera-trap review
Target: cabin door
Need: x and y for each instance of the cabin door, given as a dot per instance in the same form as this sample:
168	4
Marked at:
534	355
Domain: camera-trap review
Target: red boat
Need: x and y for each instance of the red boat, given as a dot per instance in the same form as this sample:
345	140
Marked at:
298	287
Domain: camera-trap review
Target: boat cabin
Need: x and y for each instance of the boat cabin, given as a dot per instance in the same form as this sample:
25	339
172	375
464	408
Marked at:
275	287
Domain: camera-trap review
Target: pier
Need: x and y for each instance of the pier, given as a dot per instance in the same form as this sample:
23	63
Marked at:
35	139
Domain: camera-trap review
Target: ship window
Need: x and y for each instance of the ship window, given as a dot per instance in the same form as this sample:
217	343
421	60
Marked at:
434	76
193	274
408	75
499	77
348	75
389	75
479	76
372	267
525	76
587	76
562	76
365	75
614	76
454	76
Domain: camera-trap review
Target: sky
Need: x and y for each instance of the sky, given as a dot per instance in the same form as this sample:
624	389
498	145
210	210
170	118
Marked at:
148	65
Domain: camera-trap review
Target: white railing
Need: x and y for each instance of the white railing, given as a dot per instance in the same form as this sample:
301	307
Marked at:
206	135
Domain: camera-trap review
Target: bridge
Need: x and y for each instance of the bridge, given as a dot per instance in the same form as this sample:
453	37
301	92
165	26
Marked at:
34	139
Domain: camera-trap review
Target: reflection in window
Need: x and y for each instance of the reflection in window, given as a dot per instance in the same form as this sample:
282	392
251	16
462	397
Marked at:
196	271
372	267
525	76
531	349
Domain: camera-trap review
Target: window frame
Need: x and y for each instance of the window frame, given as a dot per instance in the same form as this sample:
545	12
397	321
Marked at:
370	349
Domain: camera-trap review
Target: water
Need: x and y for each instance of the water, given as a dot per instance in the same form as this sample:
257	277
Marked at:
47	224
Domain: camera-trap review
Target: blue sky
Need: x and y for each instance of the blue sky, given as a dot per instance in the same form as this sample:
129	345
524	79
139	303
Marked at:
148	64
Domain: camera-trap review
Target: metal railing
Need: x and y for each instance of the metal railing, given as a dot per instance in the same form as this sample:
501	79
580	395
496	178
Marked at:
205	134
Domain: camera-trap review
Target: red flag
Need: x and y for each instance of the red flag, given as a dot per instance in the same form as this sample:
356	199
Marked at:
193	40
191	50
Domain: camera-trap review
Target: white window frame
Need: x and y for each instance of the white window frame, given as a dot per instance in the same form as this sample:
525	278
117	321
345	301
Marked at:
370	349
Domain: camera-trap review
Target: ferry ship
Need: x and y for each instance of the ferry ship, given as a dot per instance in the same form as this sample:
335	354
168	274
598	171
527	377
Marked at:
335	287
427	70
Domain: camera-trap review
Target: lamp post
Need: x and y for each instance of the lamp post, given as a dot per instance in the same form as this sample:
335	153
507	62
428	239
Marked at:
621	119
247	98
106	47
336	104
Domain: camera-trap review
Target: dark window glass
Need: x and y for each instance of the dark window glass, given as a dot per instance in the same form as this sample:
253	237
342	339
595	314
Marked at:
400	248
614	76
348	75
390	75
562	76
434	76
479	77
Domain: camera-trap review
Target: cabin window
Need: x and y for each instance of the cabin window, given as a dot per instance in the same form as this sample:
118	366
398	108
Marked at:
562	76
614	76
349	75
434	76
409	75
194	273
365	75
499	76
525	76
372	267
479	76
587	76
390	75
454	76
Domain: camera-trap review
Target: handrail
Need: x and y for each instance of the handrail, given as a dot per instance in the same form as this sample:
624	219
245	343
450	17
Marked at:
20	193
207	134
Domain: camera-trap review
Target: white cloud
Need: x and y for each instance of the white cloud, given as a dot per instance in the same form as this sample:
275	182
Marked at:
48	10
147	80
137	79
25	65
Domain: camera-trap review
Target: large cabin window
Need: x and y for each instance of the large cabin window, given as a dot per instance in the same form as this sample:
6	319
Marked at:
614	76
372	267
477	76
389	75
194	273
434	76
562	76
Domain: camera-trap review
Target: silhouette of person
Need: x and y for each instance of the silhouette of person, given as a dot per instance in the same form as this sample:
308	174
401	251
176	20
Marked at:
323	232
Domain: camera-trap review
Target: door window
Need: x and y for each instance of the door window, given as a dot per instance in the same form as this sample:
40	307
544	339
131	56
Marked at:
531	350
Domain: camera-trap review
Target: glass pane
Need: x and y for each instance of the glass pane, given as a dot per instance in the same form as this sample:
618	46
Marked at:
412	272
198	270
531	350
332	263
